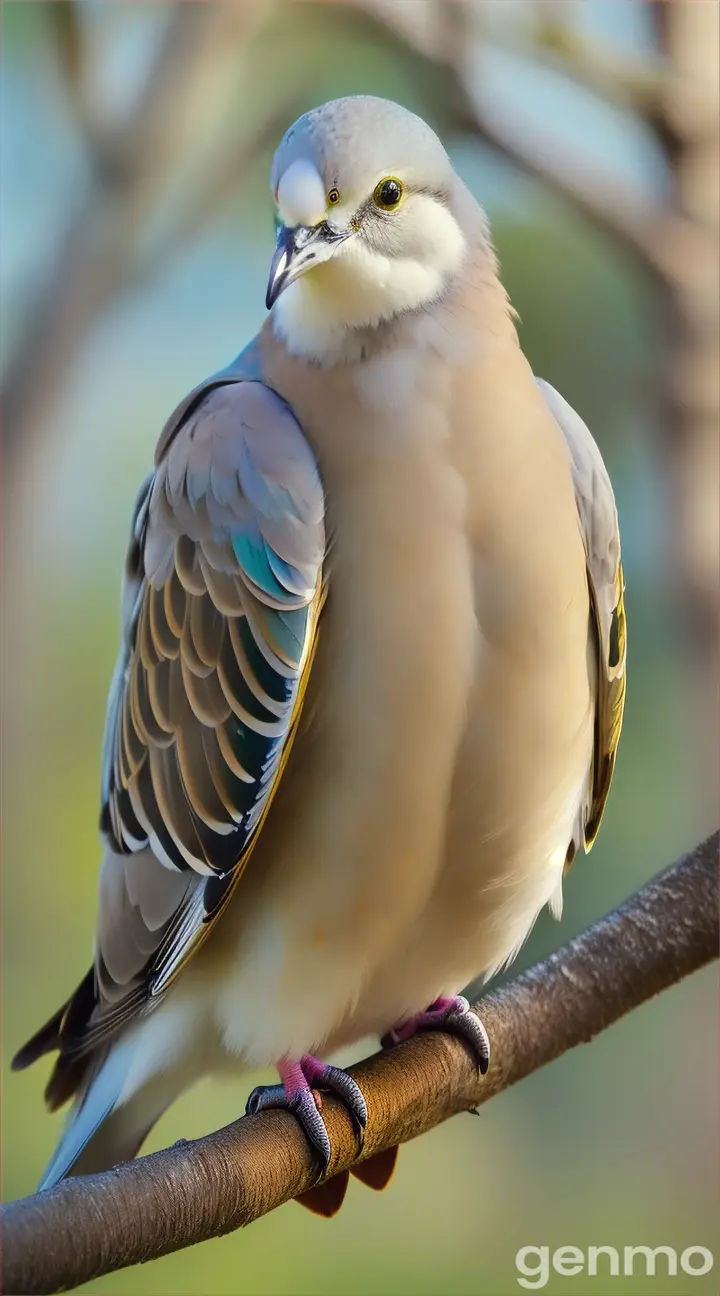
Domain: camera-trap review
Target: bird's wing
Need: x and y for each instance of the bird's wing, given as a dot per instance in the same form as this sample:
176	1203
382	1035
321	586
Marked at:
222	596
599	526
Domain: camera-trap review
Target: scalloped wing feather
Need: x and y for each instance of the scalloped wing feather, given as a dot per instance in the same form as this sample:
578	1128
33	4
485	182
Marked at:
598	519
222	595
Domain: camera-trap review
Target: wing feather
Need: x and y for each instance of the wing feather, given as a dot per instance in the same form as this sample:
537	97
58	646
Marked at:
221	603
598	519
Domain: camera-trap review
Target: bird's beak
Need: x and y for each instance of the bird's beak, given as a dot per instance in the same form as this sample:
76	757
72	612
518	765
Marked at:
300	248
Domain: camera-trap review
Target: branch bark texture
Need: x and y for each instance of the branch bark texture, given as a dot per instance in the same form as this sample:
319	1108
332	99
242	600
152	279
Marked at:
196	1190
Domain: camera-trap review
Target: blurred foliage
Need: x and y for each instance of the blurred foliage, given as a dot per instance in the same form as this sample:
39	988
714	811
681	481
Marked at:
613	1144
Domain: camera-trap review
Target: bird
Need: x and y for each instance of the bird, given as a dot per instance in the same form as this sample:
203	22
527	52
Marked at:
372	669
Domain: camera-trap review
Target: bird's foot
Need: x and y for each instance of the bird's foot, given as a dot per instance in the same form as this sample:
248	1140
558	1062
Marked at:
298	1092
453	1015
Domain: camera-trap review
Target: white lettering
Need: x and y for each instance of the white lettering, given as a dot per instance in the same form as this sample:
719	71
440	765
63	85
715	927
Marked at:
650	1253
540	1273
707	1261
594	1252
534	1262
568	1261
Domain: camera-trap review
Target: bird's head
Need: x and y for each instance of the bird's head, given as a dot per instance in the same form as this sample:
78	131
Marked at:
364	197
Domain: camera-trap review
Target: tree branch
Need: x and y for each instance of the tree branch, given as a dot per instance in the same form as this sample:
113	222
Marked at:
549	36
197	1190
663	239
132	162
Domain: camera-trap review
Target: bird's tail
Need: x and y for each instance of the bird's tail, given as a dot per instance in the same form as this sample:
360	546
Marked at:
101	1131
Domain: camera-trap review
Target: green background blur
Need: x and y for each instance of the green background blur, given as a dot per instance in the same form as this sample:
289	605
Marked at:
613	1144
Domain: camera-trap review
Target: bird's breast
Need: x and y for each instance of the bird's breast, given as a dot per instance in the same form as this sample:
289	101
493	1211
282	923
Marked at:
353	843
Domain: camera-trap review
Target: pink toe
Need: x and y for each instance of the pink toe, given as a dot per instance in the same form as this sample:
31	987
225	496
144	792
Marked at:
291	1075
442	1003
313	1069
405	1029
303	1074
409	1026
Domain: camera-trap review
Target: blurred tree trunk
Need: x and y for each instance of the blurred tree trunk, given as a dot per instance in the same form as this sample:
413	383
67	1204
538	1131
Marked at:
687	124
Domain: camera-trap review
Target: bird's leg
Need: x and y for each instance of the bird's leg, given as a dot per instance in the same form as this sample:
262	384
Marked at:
451	1014
298	1092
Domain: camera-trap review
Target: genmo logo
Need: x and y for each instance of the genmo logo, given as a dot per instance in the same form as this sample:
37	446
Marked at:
536	1263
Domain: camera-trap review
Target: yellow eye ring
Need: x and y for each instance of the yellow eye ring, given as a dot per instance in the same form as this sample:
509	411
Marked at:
388	194
333	197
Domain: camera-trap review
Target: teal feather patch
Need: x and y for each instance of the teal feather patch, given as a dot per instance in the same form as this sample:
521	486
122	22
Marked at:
251	554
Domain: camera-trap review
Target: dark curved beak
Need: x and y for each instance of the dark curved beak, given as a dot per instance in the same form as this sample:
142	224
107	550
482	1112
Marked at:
299	249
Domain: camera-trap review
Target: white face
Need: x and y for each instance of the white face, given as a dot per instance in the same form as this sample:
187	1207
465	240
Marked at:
387	245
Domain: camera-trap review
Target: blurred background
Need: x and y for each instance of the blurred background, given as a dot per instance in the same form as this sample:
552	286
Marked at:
135	142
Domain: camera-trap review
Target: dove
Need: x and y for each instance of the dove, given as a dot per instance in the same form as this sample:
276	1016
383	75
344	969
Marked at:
372	668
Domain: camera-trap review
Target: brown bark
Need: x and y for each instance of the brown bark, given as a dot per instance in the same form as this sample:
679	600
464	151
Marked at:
197	1190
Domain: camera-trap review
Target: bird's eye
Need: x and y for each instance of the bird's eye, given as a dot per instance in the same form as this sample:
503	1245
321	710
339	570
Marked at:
388	194
333	197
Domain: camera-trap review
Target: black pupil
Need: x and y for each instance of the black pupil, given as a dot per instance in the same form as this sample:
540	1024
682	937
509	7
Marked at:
390	193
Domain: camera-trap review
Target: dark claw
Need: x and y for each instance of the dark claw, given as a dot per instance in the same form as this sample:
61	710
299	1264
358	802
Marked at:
461	1020
265	1096
302	1104
344	1086
456	1018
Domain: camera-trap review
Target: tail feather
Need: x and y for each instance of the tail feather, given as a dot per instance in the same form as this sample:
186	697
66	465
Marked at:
43	1041
103	1129
97	1098
67	1075
66	1080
